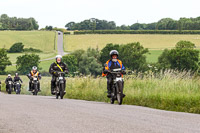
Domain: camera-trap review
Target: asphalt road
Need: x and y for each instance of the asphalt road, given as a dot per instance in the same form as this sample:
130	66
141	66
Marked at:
60	44
45	114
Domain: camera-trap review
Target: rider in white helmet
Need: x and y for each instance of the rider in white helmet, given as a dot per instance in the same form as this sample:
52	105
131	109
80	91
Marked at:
57	66
34	72
9	78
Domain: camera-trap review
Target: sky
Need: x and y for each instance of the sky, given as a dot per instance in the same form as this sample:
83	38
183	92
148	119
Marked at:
59	12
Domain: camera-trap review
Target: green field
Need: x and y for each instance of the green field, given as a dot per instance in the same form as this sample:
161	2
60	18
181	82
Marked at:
43	40
171	91
157	41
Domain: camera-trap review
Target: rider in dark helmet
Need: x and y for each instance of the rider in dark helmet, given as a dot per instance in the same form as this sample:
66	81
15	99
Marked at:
112	63
57	66
17	79
33	73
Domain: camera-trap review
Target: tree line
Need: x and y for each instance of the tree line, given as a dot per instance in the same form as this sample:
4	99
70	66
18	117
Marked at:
14	23
163	24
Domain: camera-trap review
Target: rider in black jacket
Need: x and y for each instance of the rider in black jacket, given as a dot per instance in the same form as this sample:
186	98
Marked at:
17	79
57	66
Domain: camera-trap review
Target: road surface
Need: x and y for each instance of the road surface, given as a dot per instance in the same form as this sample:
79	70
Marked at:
60	43
45	114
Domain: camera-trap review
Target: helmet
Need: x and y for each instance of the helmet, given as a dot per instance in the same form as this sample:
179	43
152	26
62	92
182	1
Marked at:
58	56
16	74
113	52
34	68
9	75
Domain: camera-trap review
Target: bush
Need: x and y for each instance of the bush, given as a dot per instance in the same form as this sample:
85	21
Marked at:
72	63
183	57
32	50
4	61
89	63
105	52
26	62
16	48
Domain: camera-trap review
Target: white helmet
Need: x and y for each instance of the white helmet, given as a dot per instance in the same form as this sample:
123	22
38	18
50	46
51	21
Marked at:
34	68
58	56
9	75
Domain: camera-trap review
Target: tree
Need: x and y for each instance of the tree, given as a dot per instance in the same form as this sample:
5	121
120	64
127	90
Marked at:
182	57
4	60
105	52
16	48
78	54
26	62
72	63
185	44
49	28
70	25
89	63
133	56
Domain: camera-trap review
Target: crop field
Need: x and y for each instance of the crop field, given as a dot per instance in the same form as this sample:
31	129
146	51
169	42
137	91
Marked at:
43	40
155	42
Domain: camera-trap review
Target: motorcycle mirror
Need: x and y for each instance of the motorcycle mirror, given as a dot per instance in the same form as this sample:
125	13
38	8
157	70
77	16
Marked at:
105	65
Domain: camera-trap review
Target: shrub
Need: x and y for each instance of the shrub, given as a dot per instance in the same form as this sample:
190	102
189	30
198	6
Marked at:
26	62
16	48
183	57
4	61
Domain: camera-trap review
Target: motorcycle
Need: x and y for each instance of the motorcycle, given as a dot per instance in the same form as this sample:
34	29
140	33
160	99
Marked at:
10	86
35	85
117	85
60	85
17	87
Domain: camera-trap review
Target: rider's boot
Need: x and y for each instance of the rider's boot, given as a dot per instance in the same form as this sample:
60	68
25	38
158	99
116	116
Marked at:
29	89
39	87
109	92
52	90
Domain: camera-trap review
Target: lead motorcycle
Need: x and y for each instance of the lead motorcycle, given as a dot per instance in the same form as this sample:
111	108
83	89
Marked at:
117	85
60	85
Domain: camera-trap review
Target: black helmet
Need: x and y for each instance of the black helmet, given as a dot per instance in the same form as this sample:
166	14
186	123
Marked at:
113	52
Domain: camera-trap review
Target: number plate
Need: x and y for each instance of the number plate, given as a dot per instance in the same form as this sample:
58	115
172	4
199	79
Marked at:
34	78
60	78
119	79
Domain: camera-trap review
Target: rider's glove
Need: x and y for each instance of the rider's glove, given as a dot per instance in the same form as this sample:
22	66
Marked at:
105	71
55	73
123	72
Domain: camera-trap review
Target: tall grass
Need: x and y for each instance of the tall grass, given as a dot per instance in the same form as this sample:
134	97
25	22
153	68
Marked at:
169	90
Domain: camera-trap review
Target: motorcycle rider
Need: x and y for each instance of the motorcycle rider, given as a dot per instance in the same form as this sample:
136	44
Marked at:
17	79
9	78
57	66
33	73
112	63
